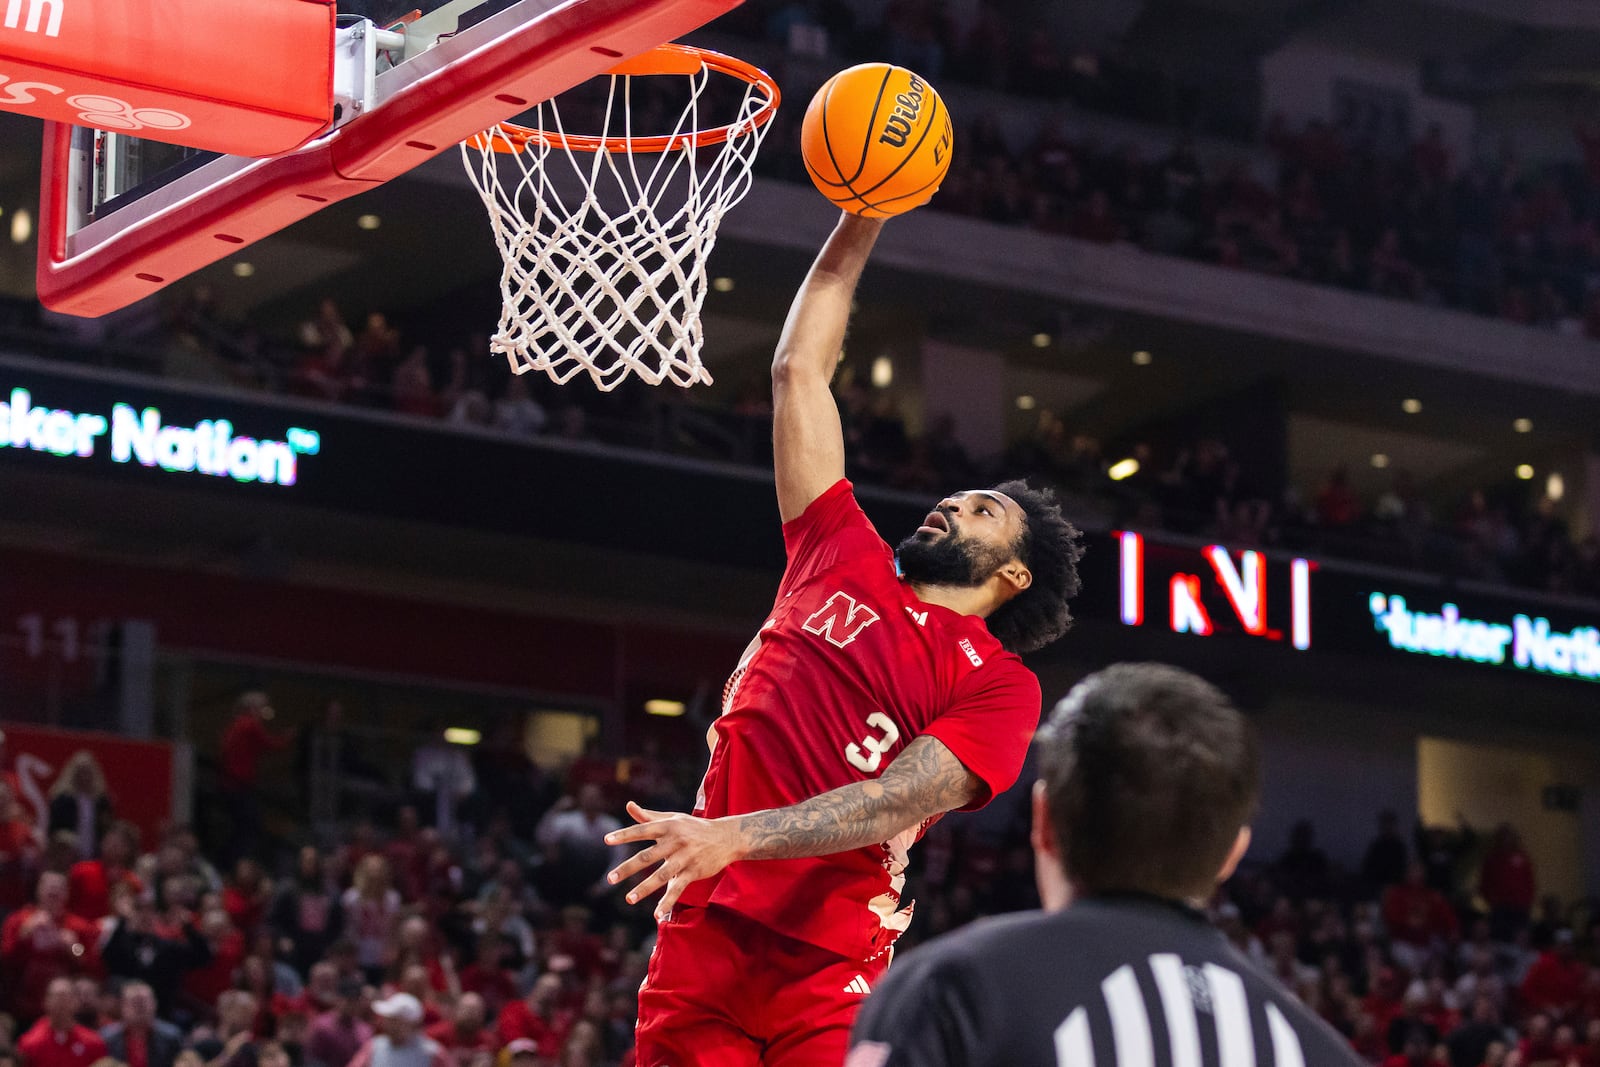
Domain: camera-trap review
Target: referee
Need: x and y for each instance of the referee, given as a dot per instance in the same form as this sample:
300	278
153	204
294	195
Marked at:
1150	778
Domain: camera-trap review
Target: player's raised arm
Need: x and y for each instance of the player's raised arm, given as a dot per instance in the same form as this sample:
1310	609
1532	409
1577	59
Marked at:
807	440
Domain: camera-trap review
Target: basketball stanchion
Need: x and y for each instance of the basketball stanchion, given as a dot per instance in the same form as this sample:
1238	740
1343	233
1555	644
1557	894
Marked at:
605	236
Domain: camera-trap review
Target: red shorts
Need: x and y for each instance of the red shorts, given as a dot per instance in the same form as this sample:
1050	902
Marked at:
727	991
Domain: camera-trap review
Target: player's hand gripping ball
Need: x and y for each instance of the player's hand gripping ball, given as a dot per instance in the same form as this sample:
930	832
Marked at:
877	140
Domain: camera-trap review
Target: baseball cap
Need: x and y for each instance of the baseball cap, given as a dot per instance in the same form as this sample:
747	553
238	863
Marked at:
399	1006
522	1046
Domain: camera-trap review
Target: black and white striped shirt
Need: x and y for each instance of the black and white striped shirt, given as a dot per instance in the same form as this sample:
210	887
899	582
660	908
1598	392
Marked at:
1122	981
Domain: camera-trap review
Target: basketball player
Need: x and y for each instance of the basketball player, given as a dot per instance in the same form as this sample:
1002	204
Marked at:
1149	780
869	704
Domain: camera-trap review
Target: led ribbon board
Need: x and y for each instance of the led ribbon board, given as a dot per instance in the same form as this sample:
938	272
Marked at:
130	435
1525	642
1212	590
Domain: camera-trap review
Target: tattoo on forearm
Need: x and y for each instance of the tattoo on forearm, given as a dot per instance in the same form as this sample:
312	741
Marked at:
926	779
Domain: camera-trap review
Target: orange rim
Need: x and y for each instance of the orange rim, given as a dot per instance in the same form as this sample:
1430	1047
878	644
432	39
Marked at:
663	59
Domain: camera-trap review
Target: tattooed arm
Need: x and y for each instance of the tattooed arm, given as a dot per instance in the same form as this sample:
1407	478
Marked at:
926	779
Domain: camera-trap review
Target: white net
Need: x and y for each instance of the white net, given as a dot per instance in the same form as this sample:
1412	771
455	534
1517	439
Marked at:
605	250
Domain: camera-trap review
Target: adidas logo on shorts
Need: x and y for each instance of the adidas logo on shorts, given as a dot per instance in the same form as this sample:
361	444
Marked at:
859	985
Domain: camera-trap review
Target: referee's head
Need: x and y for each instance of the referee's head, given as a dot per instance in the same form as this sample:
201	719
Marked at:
1148	781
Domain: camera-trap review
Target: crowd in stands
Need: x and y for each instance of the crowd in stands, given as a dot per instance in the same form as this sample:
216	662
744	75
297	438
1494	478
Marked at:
1344	204
500	944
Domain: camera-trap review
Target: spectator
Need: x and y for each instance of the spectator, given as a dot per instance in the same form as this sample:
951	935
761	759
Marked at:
1468	1044
57	1039
1385	861
41	943
1418	917
1303	867
577	857
140	947
517	412
246	895
91	883
79	803
140	1039
413	385
306	916
19	849
1505	881
1555	981
537	1017
465	1032
245	742
337	1035
401	1042
233	1044
372	908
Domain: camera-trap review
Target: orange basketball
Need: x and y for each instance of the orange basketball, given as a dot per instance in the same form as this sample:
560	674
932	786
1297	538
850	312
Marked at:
876	140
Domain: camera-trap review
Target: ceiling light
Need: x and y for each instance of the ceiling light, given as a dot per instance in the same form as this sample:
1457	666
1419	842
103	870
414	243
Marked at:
1026	402
243	270
1380	460
1555	486
669	708
1525	471
1041	340
462	735
723	284
21	226
1142	358
882	372
1523	425
369	222
1410	405
1123	468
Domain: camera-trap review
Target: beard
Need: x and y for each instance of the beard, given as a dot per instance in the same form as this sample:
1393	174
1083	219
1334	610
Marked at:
948	560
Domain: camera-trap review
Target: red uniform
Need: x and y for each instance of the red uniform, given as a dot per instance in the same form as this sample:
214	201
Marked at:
849	668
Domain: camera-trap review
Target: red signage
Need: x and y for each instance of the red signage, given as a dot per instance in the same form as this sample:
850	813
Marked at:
137	774
174	71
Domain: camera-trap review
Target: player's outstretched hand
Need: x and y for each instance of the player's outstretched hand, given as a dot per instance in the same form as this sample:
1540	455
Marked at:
686	849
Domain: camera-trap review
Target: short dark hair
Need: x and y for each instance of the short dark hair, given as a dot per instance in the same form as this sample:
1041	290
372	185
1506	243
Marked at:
1150	773
1050	547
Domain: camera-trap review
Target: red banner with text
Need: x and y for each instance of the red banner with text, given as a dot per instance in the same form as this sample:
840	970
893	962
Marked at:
138	775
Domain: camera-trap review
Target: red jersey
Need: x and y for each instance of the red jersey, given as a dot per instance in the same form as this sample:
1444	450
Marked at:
43	1046
847	670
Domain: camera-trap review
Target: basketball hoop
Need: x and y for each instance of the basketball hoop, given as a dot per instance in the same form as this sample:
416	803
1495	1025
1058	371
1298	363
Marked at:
605	236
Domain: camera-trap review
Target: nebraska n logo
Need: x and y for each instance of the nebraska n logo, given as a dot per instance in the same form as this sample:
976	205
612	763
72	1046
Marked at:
840	620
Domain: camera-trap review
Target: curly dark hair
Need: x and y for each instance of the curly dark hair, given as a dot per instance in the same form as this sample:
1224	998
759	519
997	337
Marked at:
1050	546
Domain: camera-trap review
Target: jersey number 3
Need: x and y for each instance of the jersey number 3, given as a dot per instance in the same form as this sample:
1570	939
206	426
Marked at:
867	755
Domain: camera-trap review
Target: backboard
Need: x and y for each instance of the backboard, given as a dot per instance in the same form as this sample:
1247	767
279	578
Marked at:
120	216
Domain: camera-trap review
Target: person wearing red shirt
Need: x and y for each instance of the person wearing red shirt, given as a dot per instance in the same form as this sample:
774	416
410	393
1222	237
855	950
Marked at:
245	742
538	1018
246	895
41	943
1505	881
1555	981
58	1040
1416	916
1415	1053
465	1033
90	883
19	850
486	975
885	689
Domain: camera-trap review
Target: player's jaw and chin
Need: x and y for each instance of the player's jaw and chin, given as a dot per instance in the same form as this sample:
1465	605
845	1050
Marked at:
948	559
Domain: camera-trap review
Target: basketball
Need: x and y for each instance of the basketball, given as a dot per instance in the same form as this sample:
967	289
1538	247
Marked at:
877	140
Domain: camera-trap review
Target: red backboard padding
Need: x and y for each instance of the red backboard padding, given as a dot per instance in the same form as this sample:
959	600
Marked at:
246	77
530	62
